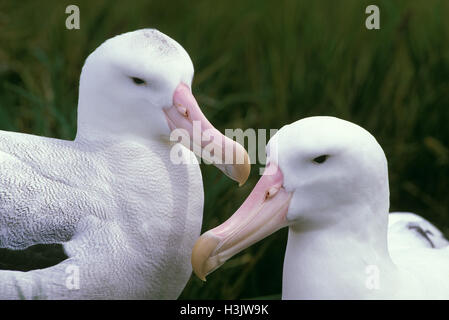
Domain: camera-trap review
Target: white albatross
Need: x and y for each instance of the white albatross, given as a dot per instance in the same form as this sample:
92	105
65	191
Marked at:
126	214
327	179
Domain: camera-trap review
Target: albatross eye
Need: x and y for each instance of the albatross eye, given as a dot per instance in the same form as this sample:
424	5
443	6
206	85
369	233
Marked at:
321	159
138	81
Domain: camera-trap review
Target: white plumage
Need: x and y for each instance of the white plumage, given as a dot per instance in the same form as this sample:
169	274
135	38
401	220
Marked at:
113	205
126	215
328	181
409	230
355	253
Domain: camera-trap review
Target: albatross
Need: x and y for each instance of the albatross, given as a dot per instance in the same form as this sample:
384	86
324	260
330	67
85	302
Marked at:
124	199
327	180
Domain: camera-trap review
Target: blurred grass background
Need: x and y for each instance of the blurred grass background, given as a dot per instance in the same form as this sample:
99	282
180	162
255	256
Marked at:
259	64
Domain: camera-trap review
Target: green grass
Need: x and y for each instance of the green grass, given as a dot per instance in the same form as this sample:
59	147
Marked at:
259	64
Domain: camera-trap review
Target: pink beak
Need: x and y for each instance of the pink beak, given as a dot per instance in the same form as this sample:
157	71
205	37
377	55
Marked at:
203	139
262	213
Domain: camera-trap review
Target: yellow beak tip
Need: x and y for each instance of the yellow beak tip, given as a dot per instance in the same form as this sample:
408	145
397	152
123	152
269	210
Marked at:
201	252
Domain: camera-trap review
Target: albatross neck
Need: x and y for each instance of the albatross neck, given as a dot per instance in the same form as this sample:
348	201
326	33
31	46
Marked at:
344	260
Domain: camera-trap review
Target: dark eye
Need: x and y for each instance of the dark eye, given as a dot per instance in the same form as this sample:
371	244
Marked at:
138	81
321	159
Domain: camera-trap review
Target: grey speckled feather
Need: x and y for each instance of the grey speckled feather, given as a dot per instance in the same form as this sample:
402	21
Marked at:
115	225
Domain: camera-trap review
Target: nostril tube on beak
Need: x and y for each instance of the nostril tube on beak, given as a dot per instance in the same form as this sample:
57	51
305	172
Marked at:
271	192
205	140
182	110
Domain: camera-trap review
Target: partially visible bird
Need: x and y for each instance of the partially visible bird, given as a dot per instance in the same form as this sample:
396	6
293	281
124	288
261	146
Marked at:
409	230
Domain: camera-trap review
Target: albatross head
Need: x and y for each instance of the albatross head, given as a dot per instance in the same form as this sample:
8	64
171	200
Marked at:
322	173
138	85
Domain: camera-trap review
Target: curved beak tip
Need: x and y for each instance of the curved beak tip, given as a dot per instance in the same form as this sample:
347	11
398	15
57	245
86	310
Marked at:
201	252
238	171
245	174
